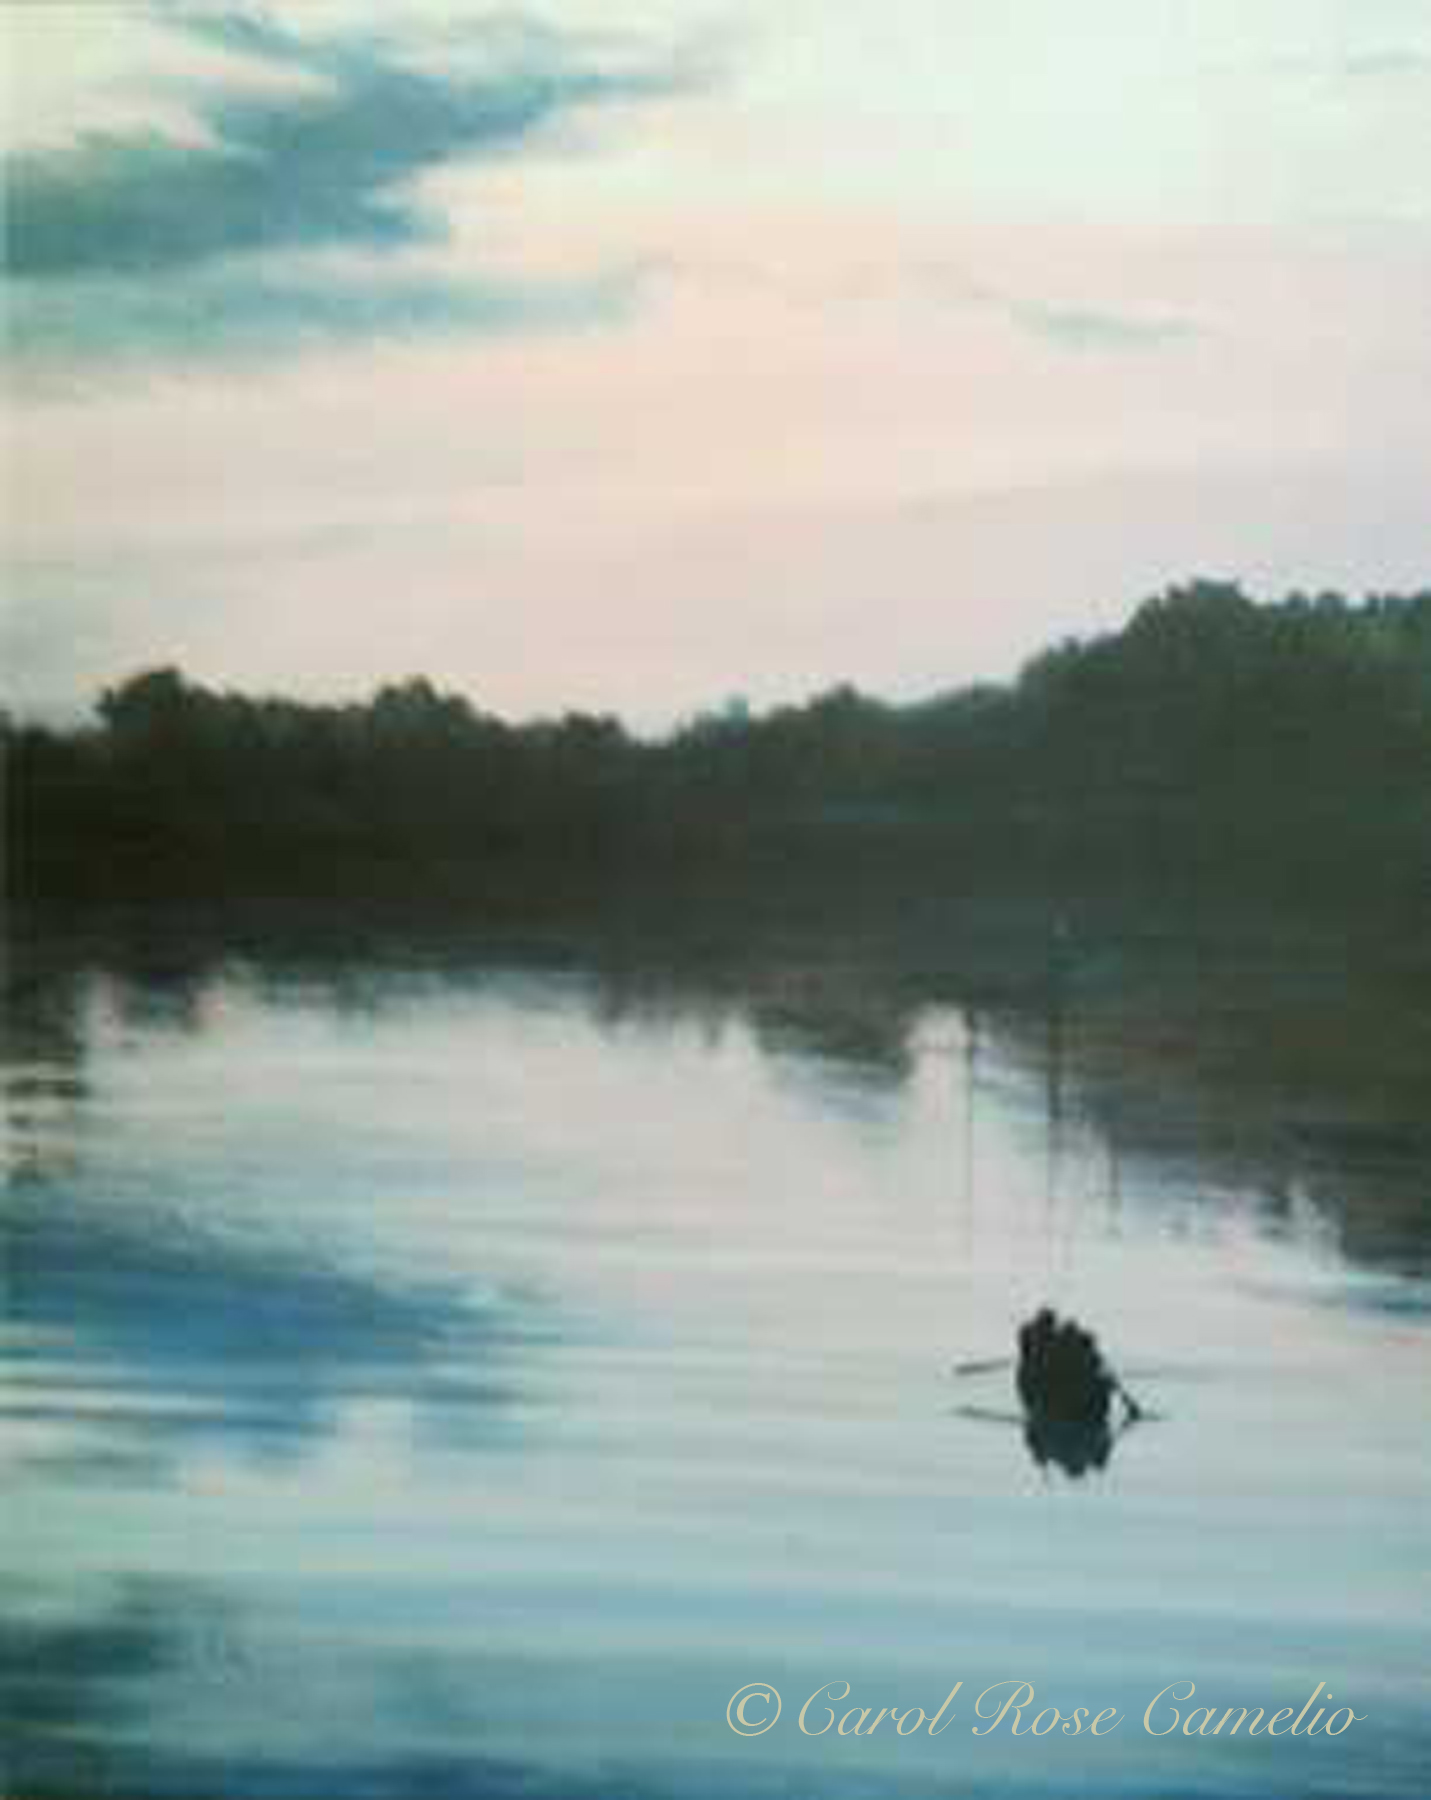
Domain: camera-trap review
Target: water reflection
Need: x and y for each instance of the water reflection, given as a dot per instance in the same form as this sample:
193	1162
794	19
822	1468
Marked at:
153	1326
1073	1445
69	1680
431	1370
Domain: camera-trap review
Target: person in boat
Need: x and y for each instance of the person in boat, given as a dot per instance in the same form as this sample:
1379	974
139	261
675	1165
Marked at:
1062	1376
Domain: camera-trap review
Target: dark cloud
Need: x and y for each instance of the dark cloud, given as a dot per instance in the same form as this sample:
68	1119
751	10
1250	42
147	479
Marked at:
59	330
326	161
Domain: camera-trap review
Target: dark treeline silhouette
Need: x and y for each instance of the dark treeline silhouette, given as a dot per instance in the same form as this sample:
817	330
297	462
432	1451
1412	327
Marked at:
1212	743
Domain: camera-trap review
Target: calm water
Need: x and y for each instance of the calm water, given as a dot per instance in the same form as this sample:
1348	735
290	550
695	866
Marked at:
460	1376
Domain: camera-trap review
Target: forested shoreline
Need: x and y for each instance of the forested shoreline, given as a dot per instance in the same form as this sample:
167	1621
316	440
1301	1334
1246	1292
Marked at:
1213	745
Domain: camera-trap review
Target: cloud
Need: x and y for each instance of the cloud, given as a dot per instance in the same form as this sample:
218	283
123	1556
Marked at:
58	333
1387	65
1093	328
149	242
1069	327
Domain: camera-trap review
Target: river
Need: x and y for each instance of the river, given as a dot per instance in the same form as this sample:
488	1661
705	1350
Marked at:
446	1370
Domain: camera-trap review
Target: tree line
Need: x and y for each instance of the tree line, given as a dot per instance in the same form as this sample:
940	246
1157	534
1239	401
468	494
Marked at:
1213	741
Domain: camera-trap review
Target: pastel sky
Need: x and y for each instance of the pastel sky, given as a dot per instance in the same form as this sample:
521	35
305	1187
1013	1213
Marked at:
632	357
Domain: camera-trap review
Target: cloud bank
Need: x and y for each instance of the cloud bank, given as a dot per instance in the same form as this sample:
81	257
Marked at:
145	242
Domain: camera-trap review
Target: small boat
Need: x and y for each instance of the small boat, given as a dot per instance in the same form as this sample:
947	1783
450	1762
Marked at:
1066	1390
1062	1377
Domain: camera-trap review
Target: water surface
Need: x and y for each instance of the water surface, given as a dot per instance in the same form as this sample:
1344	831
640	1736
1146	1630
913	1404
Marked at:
460	1373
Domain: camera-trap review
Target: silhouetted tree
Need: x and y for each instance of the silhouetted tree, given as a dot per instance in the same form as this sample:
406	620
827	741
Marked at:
1213	739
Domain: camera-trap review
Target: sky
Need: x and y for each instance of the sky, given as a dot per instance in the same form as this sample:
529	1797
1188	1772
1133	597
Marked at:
637	357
